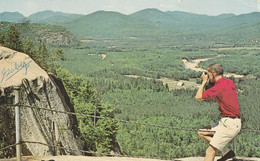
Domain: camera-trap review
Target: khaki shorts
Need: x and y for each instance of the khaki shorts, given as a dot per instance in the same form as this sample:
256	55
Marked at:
224	131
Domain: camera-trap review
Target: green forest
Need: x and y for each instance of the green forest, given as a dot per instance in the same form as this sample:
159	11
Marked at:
150	101
123	78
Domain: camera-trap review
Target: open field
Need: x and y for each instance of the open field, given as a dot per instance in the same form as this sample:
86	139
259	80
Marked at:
173	83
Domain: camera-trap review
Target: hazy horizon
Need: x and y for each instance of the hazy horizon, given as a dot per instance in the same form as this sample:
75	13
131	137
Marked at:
121	13
85	7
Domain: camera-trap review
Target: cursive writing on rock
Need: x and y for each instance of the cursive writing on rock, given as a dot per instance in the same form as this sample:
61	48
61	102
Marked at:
8	73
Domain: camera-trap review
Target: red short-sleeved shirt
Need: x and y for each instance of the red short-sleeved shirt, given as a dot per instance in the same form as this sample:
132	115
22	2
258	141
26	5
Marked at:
224	92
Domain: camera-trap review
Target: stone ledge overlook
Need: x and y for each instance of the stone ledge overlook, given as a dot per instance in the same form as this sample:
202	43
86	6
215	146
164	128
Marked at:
39	89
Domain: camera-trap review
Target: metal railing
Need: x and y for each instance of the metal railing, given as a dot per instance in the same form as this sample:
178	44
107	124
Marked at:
18	143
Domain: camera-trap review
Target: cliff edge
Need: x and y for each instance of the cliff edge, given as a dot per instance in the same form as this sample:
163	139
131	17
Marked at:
37	89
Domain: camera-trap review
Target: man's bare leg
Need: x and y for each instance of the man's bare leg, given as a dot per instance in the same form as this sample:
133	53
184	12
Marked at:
204	134
208	136
210	153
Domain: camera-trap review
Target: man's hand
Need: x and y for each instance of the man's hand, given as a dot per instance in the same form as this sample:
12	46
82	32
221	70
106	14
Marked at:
204	77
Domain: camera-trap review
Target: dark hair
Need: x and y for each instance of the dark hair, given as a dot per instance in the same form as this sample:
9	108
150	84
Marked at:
217	68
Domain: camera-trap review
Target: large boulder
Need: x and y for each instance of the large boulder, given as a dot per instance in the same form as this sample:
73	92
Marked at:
37	89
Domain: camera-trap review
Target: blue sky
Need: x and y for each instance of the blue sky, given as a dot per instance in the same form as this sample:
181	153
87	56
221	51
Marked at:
209	7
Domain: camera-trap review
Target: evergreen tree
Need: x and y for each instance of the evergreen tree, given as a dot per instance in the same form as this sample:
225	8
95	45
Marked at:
98	134
2	39
12	39
56	55
29	49
43	56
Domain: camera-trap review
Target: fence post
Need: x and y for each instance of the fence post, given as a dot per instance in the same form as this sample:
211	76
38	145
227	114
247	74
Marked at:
95	113
17	124
234	146
57	139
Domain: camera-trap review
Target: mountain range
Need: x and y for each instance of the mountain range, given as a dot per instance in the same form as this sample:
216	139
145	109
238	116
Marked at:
147	23
153	23
46	16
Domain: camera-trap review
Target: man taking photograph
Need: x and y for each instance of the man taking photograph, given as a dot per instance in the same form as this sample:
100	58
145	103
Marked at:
224	92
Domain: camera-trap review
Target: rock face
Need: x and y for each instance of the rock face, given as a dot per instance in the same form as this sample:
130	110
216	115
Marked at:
38	89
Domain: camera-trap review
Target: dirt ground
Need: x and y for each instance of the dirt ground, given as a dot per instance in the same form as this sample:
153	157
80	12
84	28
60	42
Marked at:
87	158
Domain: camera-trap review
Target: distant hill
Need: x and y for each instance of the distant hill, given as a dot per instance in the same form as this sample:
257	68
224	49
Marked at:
51	17
48	17
244	18
11	17
151	14
182	27
226	16
107	24
186	20
171	18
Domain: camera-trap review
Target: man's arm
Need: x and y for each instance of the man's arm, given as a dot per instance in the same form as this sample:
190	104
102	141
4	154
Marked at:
201	88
